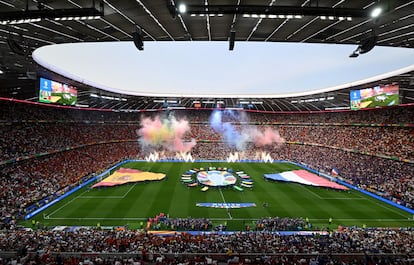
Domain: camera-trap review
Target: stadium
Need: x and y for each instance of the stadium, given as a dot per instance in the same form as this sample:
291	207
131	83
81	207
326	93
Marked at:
206	132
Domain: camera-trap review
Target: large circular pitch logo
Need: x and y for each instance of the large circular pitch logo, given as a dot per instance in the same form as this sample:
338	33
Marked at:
216	178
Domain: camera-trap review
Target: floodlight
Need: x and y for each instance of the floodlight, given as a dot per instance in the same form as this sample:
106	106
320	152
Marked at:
376	12
31	16
263	11
182	8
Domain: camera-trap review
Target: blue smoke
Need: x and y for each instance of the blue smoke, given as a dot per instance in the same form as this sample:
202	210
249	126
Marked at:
230	135
216	121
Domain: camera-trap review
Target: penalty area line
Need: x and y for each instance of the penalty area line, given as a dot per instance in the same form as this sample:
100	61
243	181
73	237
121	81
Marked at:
109	197
64	205
129	190
87	197
384	205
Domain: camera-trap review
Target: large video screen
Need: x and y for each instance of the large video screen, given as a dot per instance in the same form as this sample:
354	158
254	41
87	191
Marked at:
54	92
378	96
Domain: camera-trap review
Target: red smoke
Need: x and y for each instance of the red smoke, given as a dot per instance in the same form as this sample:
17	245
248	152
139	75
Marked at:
165	133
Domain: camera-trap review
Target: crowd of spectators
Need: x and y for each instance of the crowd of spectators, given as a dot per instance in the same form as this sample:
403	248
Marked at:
33	138
48	129
389	141
280	224
26	182
31	129
398	244
29	138
394	115
186	224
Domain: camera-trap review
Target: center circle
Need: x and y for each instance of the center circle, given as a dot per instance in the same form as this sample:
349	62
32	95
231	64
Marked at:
216	178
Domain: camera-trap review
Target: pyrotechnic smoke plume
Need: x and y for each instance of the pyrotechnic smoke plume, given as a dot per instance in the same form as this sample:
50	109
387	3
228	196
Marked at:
165	134
240	137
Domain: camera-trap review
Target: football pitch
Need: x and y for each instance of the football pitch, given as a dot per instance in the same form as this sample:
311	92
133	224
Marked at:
132	204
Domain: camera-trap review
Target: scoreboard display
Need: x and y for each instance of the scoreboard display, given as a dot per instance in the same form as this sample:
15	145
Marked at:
54	92
378	96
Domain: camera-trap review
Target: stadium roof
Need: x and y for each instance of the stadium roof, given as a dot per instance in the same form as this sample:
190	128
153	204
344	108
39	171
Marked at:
304	21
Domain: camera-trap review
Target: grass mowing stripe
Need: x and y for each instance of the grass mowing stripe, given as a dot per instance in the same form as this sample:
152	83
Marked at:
262	192
177	206
310	191
171	187
344	209
174	185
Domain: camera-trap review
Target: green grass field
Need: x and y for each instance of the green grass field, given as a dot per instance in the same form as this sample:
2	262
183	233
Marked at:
133	203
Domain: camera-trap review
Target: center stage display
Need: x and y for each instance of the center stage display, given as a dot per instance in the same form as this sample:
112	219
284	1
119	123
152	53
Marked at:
217	178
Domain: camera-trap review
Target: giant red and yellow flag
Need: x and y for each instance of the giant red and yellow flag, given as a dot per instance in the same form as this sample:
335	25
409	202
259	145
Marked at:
128	175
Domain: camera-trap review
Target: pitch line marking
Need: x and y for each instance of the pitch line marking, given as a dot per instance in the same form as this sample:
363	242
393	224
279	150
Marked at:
390	207
90	197
101	197
58	209
228	211
314	193
326	198
129	190
109	197
387	206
